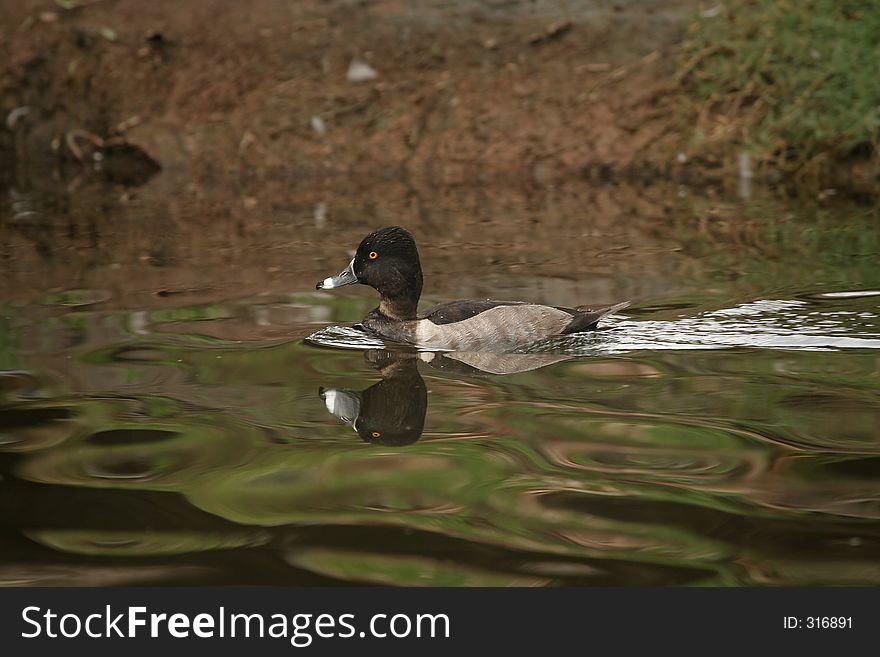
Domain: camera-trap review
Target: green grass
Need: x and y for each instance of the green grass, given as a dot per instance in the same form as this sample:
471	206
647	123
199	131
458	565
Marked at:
796	83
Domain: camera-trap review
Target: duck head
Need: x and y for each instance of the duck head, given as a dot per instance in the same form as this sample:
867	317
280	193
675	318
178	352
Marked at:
388	261
390	412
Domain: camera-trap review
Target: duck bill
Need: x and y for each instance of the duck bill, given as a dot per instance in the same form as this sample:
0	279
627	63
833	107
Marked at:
344	404
345	277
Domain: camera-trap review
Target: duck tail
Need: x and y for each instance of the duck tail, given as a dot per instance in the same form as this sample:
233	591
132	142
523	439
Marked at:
588	319
604	312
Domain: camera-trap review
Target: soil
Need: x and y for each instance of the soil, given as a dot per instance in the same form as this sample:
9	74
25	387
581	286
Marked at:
464	91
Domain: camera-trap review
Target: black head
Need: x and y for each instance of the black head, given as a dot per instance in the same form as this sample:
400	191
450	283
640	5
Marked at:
393	410
388	261
390	412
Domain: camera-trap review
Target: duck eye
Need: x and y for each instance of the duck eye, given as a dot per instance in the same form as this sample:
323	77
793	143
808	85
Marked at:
376	434
373	255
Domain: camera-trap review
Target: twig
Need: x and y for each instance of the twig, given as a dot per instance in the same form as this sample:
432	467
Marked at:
695	61
553	31
71	140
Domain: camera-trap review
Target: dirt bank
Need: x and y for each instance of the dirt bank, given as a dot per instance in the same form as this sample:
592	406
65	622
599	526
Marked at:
458	91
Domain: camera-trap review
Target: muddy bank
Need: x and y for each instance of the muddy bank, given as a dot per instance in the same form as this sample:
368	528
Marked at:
442	92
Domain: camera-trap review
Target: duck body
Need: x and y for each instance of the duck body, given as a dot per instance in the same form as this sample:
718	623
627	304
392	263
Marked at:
474	325
388	261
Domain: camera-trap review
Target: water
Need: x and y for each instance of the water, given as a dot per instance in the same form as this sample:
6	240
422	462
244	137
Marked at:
178	406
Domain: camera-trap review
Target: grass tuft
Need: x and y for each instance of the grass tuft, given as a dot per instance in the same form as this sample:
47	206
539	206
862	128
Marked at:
796	83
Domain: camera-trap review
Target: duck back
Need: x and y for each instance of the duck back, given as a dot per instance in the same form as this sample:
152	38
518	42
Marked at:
488	325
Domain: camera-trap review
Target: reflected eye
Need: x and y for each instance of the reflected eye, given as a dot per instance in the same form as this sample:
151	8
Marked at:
376	434
373	255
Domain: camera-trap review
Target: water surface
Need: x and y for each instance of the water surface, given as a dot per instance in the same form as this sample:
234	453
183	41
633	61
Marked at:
167	376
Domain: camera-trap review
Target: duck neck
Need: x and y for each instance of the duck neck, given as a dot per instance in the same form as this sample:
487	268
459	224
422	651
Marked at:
401	301
399	308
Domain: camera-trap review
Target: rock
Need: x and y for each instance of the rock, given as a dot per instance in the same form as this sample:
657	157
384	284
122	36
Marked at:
318	125
127	165
359	71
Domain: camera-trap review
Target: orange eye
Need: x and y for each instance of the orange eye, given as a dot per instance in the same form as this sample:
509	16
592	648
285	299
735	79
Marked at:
373	255
376	434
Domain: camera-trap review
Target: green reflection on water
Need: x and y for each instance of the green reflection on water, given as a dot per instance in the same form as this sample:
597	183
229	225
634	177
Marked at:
199	428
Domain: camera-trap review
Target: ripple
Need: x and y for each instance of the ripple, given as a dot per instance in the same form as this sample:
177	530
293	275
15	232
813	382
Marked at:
76	298
135	354
146	468
30	428
18	384
403	570
158	457
80	574
710	469
304	486
860	468
136	543
28	417
344	337
854	294
763	324
130	436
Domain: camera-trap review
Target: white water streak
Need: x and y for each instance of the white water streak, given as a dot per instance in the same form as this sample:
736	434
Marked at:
764	324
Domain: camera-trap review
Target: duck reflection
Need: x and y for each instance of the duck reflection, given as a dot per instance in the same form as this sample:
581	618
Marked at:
392	411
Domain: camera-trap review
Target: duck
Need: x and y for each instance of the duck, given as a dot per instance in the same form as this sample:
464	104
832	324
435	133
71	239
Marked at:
388	261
